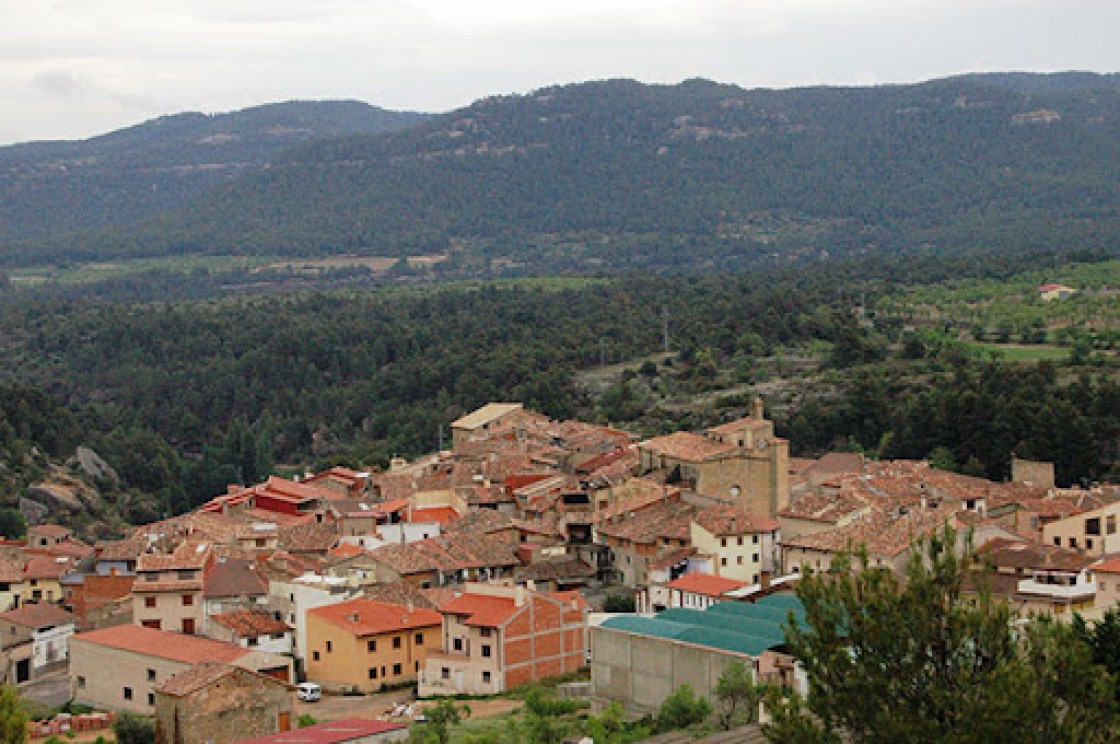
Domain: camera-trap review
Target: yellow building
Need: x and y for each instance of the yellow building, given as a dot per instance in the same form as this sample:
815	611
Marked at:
367	645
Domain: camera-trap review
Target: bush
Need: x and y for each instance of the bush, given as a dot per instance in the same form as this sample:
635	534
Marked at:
682	709
617	602
130	728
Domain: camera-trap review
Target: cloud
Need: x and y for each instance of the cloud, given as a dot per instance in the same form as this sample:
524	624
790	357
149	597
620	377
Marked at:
59	83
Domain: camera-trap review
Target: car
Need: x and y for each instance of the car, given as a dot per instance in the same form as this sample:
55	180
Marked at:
309	692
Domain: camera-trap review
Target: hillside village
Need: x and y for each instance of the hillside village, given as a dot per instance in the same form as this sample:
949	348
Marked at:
488	566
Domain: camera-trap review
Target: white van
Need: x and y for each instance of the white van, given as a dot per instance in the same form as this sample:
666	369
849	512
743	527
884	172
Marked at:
308	692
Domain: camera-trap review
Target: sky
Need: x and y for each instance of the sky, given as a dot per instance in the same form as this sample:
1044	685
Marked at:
72	69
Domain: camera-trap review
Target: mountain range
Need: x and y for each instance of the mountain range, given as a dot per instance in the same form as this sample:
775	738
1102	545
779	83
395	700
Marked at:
609	174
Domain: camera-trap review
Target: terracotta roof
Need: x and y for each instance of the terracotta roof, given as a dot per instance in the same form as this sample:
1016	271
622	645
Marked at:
363	617
721	520
555	570
401	593
309	538
120	550
234	577
335	732
47	567
1112	565
345	550
670	520
734	427
883	533
439	514
672	558
186	649
481	522
684	445
1004	553
190	555
50	530
446	553
706	584
37	615
250	624
205	674
482	610
393	505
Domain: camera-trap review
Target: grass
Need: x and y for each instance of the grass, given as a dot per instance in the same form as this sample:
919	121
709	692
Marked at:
86	273
1018	353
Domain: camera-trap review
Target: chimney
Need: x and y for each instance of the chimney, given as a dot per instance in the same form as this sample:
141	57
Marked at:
757	408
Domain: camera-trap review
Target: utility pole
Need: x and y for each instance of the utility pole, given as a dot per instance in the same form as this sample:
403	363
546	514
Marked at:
665	328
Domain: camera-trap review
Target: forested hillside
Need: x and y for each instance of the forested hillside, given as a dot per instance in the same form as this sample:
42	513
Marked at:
53	188
699	175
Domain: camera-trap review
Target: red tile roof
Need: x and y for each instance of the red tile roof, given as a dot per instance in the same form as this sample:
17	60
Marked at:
36	615
482	610
438	514
1109	566
190	555
706	584
335	732
721	520
162	644
250	624
684	445
207	673
364	617
234	577
47	567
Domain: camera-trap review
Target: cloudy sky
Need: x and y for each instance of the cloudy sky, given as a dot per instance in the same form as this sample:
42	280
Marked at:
74	68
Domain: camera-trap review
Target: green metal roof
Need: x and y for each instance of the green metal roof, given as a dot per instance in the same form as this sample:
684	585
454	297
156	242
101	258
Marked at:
739	627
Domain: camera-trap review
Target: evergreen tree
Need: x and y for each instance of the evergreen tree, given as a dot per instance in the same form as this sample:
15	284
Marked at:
13	717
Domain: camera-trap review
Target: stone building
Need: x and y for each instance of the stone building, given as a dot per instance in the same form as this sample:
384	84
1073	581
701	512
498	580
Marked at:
215	702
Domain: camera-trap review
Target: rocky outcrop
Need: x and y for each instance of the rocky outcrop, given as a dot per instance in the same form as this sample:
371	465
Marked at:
93	466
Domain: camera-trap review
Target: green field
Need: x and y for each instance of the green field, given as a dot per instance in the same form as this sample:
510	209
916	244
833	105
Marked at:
86	273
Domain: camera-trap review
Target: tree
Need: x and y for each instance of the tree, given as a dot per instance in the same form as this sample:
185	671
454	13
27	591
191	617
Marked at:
1103	638
130	728
13	717
889	661
737	696
441	717
617	602
683	708
13	525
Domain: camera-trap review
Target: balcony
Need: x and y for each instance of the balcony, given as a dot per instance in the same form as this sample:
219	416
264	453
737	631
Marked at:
1058	590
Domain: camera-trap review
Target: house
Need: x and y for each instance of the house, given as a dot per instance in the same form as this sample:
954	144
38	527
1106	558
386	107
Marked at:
293	598
253	629
1091	532
86	593
346	731
700	591
230	584
743	546
480	422
11	581
497	637
44	632
46	535
119	668
1039	579
1107	573
214	702
740	463
42	577
639	661
366	645
446	559
642	536
168	592
118	557
1051	291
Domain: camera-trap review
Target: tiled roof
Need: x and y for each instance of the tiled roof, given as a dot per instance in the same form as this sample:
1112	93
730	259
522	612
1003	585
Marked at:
684	445
335	732
672	558
884	534
734	427
1004	553
1112	566
721	520
670	520
363	617
47	567
186	649
829	508
37	615
482	610
706	584
120	550
250	624
190	555
439	514
570	568
309	538
205	674
234	577
401	593
481	522
49	530
446	553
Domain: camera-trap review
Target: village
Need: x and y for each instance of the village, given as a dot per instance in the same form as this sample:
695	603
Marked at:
504	561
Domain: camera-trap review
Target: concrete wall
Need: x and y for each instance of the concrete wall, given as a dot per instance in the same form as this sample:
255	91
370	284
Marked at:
349	661
100	676
641	671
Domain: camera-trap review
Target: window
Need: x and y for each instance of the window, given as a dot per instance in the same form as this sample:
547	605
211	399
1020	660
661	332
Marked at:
419	639
371	646
188	626
739	540
128	693
485	633
1058	541
382	670
486	650
373	672
1093	526
151	624
1089	543
151	577
755	557
739	560
151	675
457	644
396	641
328	647
251	641
149	601
81	682
417	665
188	600
396	670
1110	524
723	542
151	698
185	575
754	539
445	673
1073	542
486	678
723	561
314	655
